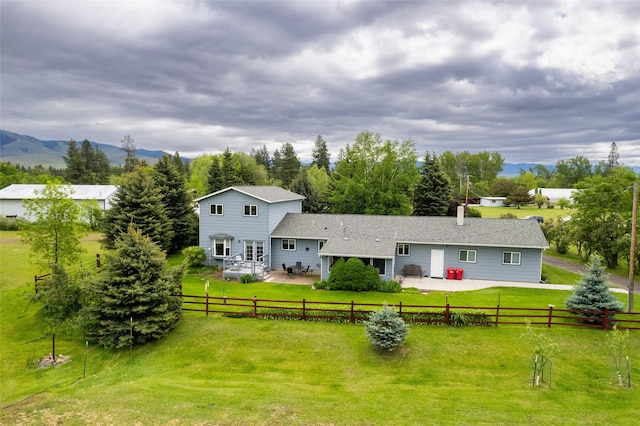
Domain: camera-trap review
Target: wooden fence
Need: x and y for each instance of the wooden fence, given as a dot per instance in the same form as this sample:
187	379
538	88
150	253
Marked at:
447	314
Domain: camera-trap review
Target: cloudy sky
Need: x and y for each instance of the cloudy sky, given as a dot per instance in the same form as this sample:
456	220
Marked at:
536	81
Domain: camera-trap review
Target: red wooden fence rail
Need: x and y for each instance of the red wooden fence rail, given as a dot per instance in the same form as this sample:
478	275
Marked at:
498	315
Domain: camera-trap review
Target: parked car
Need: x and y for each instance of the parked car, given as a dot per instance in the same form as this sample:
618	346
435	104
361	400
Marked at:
540	219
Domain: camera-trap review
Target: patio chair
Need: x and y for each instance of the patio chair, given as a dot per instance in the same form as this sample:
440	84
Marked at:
306	271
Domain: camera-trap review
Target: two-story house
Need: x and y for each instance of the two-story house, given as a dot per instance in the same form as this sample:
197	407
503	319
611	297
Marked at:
262	227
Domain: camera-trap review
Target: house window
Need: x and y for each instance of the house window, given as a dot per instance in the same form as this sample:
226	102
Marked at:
251	210
288	245
320	244
511	257
467	256
403	250
221	248
215	209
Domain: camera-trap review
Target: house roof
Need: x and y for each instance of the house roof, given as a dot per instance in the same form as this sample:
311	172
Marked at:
80	192
268	194
377	236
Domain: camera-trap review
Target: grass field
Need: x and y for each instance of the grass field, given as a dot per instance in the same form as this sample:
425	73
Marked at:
216	370
494	212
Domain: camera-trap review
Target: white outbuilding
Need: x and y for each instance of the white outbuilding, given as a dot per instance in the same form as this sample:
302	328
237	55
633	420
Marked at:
13	196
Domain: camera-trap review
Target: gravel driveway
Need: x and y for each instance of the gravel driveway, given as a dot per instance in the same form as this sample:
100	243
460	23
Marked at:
614	280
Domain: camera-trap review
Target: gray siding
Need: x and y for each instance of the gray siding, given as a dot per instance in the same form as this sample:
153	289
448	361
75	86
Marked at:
233	221
488	265
301	254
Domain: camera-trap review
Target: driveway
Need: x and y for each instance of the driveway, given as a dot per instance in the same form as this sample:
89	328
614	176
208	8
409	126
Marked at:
614	280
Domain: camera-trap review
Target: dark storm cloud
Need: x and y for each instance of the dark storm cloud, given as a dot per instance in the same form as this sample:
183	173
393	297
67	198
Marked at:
535	81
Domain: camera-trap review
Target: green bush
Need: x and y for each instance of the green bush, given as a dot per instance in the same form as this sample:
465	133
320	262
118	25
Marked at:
7	224
471	212
246	279
385	329
194	256
508	216
389	286
353	275
320	285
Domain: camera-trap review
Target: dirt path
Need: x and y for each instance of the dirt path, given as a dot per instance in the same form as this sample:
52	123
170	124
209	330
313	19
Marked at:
614	280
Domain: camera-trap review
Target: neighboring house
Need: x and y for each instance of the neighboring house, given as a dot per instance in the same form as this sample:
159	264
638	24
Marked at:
492	201
554	194
13	196
265	224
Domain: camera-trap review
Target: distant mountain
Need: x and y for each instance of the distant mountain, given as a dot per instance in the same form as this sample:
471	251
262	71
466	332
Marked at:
28	151
513	169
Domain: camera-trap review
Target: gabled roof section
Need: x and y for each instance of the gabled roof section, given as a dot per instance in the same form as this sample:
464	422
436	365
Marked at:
268	194
368	235
80	192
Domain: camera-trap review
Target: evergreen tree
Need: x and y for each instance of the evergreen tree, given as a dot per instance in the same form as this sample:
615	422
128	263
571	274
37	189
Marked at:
320	154
431	197
302	185
262	157
181	166
130	159
385	329
136	297
229	173
76	167
593	294
215	181
138	201
286	164
178	203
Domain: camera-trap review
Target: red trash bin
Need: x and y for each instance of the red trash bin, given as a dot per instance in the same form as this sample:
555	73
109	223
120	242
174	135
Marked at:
451	274
459	274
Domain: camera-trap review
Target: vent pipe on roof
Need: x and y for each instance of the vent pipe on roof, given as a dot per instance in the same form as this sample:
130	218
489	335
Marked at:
460	216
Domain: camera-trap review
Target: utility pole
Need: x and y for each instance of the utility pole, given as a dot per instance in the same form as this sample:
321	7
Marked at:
632	256
466	201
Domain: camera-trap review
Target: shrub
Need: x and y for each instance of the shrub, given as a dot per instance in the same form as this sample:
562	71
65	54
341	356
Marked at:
320	285
246	279
471	212
508	216
593	294
194	256
385	329
353	275
389	286
7	224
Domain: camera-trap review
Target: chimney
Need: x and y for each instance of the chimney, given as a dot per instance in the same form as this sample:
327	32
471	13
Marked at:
460	216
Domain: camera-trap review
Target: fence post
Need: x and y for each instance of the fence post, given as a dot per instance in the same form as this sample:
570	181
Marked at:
605	323
352	315
550	316
497	313
400	309
446	314
255	306
206	303
304	309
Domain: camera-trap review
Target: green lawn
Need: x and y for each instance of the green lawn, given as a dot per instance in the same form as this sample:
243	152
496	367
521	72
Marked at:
216	370
493	212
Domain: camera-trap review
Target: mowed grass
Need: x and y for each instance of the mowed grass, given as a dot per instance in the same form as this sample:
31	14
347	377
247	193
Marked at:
218	370
523	211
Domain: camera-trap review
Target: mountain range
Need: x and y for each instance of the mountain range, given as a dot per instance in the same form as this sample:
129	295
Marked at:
28	151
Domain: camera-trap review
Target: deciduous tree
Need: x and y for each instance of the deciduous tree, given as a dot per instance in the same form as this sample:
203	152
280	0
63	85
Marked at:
375	177
55	227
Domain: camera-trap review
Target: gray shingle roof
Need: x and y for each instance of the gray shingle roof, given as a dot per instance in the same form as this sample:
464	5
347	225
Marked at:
268	194
378	235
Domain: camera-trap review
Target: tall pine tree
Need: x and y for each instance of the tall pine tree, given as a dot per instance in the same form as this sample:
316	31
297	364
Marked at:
138	201
136	297
178	203
431	197
320	154
286	164
215	181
